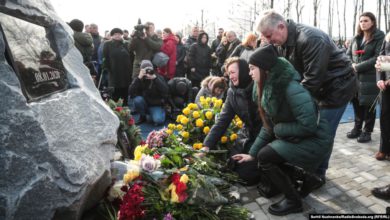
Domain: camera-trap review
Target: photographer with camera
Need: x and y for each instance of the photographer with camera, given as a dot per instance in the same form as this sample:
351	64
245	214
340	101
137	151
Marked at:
144	43
149	92
181	94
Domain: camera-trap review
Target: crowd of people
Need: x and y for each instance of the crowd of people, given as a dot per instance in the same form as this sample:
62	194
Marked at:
290	86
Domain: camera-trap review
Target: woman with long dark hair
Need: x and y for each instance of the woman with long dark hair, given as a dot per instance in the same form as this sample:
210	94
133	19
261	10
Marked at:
363	51
293	131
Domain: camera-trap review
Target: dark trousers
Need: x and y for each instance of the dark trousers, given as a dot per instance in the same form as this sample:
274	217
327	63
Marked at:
385	122
267	155
120	93
363	114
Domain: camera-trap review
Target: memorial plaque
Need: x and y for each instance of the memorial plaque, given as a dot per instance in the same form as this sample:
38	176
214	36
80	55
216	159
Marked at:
34	57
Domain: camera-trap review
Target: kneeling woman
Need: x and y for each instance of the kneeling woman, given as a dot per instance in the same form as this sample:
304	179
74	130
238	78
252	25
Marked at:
292	131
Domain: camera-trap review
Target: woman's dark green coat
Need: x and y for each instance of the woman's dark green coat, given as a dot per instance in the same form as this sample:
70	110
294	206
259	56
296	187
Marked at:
298	134
365	65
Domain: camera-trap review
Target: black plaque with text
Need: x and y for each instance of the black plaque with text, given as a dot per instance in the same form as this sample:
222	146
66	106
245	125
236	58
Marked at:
34	57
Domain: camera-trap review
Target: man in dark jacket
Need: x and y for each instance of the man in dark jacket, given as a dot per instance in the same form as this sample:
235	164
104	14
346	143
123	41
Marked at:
144	47
149	92
216	71
117	63
326	70
82	41
199	60
238	102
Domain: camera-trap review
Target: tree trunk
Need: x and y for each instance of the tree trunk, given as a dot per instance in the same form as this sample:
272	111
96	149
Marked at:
379	13
345	20
330	19
354	17
316	4
272	4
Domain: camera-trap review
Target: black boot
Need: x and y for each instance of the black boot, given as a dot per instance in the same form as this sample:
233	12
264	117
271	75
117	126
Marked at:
310	183
291	203
382	192
354	133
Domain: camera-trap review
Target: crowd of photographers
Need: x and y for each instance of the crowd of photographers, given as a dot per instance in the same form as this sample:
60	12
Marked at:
155	72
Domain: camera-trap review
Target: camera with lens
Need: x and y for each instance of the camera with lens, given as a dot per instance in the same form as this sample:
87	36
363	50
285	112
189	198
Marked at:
149	71
139	29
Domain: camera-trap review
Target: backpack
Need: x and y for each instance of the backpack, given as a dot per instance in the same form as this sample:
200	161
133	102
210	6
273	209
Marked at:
160	59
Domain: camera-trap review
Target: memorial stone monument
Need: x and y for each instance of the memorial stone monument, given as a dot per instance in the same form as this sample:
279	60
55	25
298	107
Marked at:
56	134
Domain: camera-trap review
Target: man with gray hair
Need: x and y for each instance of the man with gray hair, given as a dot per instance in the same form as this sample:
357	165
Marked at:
325	69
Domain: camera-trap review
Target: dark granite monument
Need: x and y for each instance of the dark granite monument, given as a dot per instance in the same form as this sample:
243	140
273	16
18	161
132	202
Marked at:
56	134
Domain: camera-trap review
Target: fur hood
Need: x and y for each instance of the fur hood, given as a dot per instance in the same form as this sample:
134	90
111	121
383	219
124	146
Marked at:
278	78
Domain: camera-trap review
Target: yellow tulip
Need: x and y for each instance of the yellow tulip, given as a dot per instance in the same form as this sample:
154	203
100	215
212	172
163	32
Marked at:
195	114
171	126
202	99
179	127
186	111
184	120
197	146
209	115
199	123
178	118
233	137
208	99
239	124
130	176
184	178
185	134
169	131
138	151
224	139
206	130
213	99
174	196
193	106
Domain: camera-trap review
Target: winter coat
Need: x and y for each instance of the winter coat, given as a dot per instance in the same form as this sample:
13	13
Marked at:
155	92
227	50
97	40
186	98
238	102
199	58
298	135
180	55
243	52
144	49
365	65
117	62
385	50
215	43
84	43
169	48
190	41
327	71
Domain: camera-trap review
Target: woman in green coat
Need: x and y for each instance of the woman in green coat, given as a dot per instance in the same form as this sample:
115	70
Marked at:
293	130
363	51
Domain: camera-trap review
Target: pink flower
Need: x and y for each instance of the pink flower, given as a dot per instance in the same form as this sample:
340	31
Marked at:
149	164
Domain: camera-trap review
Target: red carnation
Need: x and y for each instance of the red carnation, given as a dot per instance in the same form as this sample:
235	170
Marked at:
118	109
156	156
180	188
175	178
131	121
359	52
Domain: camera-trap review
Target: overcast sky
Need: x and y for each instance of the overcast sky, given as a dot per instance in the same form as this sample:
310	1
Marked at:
175	14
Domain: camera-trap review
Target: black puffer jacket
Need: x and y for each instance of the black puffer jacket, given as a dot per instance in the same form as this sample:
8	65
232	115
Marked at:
155	92
326	69
365	65
200	59
238	102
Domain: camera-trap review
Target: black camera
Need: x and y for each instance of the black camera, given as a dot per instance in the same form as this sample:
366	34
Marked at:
149	71
139	29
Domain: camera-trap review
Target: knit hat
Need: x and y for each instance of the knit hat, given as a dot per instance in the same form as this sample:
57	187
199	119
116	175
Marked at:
264	57
76	25
116	30
146	64
181	88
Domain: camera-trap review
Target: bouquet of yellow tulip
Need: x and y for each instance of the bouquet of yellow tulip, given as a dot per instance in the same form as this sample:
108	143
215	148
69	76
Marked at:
196	121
